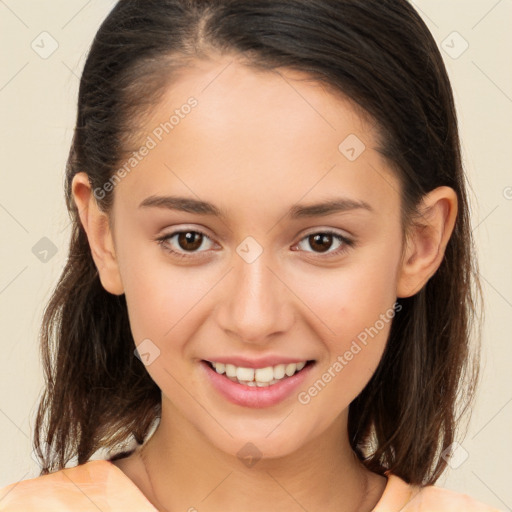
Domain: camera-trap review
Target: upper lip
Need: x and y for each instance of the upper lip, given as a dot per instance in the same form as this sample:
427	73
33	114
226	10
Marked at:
261	362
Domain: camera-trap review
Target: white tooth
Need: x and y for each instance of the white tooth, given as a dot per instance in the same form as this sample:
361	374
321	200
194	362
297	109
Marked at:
219	367
264	374
231	370
261	376
279	371
290	369
245	373
262	384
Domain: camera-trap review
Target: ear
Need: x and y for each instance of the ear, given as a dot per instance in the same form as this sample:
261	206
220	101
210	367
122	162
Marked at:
426	240
96	225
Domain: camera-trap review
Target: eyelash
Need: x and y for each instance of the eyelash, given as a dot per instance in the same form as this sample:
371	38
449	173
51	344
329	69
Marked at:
347	243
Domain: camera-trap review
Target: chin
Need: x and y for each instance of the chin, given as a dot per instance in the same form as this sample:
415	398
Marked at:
263	445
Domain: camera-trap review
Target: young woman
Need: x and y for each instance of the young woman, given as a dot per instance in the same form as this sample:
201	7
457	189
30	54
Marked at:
271	264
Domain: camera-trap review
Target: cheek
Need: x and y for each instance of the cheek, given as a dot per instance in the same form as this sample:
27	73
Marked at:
162	298
352	297
354	306
164	306
343	377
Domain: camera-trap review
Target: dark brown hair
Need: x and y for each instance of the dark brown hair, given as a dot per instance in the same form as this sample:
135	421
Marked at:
377	53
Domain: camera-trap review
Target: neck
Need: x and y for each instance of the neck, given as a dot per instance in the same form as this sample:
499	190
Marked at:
185	472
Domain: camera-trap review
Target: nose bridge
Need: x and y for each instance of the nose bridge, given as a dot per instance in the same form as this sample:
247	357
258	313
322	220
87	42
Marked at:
258	303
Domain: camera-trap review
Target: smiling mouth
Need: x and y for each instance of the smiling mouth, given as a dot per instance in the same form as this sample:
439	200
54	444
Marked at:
258	377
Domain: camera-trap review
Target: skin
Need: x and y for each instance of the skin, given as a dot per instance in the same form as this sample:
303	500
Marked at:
257	144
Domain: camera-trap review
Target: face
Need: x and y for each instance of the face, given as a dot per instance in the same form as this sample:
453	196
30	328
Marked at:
258	278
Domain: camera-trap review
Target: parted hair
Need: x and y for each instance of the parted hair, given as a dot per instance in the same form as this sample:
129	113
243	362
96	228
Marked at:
381	56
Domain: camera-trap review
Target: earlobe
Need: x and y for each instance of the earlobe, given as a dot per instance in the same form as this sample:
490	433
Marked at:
427	239
96	225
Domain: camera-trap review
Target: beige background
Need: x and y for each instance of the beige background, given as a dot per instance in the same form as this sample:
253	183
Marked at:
37	101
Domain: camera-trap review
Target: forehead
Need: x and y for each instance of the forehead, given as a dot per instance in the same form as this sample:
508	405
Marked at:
231	134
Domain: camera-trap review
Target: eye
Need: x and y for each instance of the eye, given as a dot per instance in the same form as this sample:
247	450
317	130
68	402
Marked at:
323	241
191	240
186	241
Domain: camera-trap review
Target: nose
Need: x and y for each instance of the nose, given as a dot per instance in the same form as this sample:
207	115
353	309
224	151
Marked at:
257	304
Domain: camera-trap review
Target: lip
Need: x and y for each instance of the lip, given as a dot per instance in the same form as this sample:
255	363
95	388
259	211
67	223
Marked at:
255	397
262	362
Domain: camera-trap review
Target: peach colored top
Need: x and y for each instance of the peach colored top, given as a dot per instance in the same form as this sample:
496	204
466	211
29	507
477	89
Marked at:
99	485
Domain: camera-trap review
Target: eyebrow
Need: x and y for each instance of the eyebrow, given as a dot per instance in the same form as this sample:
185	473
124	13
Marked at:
196	206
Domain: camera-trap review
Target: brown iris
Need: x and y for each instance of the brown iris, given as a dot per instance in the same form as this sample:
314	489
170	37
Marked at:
190	240
319	241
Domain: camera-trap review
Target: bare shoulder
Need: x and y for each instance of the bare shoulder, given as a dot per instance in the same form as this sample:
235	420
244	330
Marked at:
55	491
440	499
399	495
89	487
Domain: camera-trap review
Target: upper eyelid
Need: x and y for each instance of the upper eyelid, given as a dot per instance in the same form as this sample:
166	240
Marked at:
334	231
311	231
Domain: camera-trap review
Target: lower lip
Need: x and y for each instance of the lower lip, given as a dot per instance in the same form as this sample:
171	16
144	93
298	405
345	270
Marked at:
256	397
